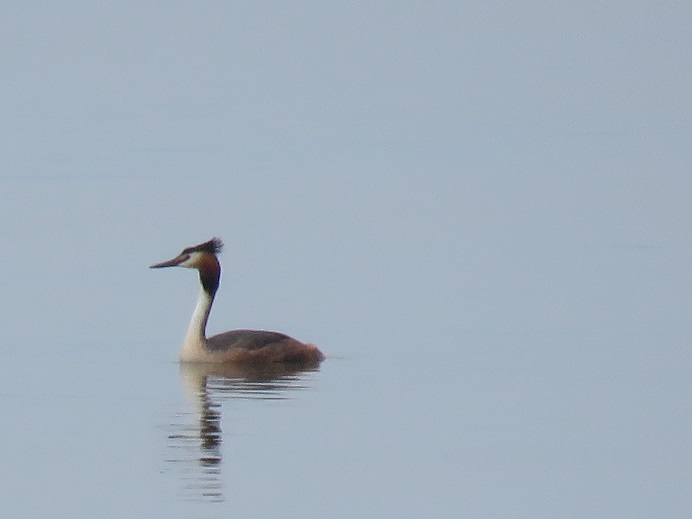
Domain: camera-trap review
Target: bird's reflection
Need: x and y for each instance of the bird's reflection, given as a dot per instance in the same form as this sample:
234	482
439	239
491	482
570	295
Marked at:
196	436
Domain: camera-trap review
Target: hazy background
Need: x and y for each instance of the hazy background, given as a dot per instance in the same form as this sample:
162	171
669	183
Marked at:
479	211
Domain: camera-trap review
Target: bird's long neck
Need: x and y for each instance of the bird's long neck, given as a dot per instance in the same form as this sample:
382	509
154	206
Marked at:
195	338
196	331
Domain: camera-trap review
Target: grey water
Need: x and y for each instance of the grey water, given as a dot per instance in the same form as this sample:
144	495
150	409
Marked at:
480	213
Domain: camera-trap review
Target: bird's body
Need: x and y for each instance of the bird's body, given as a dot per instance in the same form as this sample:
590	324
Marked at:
255	347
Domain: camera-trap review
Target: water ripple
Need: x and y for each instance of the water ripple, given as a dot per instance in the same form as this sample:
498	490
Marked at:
195	435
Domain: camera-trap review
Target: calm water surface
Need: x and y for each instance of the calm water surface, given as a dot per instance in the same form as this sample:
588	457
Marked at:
542	424
479	211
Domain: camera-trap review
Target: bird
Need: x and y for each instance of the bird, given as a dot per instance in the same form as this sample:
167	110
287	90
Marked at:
241	347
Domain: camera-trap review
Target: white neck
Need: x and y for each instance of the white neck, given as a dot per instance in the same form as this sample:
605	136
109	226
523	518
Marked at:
195	338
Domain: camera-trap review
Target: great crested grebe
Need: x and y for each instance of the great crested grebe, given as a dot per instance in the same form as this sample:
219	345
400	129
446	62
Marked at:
237	346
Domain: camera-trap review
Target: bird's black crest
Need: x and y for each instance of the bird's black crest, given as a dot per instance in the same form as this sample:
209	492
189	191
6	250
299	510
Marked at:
214	246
